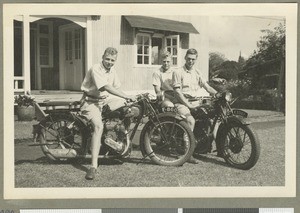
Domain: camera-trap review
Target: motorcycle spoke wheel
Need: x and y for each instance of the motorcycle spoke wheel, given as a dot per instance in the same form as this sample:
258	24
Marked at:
241	147
60	134
170	143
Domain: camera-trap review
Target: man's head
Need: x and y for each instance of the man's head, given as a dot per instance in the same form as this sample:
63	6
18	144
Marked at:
190	58
109	57
166	60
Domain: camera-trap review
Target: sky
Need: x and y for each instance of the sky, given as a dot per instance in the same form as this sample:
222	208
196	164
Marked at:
231	34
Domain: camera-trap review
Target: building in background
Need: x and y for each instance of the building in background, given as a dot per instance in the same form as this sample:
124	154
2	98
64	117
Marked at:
54	52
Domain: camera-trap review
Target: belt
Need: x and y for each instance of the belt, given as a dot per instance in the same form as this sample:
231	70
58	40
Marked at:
94	97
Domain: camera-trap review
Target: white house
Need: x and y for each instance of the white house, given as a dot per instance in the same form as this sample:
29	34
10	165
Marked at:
54	52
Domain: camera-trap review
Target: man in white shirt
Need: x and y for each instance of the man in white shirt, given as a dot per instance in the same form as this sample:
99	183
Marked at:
100	81
187	81
162	80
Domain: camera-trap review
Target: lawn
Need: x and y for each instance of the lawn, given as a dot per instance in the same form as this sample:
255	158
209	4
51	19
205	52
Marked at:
32	169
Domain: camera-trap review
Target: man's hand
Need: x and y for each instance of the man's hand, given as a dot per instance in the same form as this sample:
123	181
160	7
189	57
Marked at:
159	96
131	98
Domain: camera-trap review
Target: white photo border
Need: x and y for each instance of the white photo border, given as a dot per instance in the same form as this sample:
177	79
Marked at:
288	10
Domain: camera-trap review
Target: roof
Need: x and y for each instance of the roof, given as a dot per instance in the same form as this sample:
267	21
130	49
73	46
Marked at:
147	22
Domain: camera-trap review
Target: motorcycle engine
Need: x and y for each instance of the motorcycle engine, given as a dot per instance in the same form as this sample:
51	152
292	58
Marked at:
115	134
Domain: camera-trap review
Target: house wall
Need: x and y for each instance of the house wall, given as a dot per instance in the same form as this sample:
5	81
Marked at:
116	32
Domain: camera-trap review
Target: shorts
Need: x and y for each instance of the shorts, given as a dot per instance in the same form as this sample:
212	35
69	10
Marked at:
93	110
183	110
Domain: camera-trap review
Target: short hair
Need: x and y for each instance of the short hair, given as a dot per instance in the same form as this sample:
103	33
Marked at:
110	51
192	51
165	54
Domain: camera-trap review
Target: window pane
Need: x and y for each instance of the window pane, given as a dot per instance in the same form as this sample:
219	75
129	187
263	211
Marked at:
44	42
139	39
146	60
169	50
77	34
174	42
146	50
174	61
146	40
140	59
44	60
44	51
168	42
174	51
140	50
156	50
44	29
155	55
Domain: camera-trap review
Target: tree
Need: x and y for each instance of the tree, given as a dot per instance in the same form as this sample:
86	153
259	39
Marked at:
215	60
228	70
267	60
269	47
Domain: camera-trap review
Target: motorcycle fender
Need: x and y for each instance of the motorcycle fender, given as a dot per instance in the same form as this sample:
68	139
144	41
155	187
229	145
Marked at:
171	114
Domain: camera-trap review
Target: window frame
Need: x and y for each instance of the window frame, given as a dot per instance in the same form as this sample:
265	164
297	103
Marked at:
49	36
164	47
172	37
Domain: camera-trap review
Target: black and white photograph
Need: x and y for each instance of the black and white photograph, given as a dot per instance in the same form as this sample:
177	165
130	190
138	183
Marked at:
149	100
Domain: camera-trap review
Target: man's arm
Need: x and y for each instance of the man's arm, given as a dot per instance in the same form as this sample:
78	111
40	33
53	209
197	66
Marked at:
116	92
158	92
209	89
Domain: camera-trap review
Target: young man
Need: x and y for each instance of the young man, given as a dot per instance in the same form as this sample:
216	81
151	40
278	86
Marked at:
162	80
186	82
100	81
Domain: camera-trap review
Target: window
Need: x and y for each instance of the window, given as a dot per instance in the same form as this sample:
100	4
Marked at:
45	44
143	49
172	47
149	48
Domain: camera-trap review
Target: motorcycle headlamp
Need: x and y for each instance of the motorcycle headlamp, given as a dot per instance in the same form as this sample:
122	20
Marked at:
228	96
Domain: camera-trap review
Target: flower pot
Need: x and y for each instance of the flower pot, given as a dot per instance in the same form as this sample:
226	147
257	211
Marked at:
25	113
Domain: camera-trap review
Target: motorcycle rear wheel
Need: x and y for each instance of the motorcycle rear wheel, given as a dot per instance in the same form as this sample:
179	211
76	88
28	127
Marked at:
240	146
60	134
175	150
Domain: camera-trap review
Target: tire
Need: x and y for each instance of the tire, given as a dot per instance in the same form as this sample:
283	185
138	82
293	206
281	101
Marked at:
64	133
173	152
240	146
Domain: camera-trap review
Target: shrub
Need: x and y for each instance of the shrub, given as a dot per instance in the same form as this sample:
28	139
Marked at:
24	100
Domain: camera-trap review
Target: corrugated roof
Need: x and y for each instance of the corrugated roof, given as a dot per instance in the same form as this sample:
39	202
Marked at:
147	22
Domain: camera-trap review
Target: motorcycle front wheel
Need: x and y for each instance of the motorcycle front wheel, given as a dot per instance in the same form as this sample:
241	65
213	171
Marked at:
169	143
240	146
60	138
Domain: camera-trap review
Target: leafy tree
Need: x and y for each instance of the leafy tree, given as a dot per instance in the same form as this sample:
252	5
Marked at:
269	47
228	70
215	60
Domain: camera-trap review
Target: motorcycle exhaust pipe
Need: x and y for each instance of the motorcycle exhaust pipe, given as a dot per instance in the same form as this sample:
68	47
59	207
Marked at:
63	153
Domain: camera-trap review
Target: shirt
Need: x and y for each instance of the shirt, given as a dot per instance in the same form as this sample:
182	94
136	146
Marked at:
163	79
97	77
190	81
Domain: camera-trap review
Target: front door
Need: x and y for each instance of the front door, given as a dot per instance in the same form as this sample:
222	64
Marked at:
71	57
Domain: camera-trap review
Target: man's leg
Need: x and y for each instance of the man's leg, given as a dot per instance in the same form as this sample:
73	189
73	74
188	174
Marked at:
183	110
93	112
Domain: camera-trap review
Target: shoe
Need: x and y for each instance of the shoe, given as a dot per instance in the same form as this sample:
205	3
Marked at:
90	175
192	160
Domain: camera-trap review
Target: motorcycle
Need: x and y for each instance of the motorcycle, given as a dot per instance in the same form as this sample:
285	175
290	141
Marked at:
235	140
64	133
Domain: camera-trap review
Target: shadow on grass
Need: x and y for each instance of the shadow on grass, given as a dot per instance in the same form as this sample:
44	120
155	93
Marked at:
41	160
208	159
23	140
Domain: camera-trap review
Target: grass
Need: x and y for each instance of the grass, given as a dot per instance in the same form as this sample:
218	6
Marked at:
32	169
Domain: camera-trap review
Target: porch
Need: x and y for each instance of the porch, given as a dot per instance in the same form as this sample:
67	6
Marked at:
56	95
